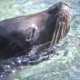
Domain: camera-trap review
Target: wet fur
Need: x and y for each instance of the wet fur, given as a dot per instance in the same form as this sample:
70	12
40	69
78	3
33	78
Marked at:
21	33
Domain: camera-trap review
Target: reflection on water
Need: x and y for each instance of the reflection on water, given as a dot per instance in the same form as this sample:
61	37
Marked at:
65	66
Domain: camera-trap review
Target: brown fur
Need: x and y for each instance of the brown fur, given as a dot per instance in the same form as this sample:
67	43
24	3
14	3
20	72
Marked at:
20	33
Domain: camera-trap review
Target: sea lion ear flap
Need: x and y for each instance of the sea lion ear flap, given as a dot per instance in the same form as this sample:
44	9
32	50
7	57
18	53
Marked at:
30	34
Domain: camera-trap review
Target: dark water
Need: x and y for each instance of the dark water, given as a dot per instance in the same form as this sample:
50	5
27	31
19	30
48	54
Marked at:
65	66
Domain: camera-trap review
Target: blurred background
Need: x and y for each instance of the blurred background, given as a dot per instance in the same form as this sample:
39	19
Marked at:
65	66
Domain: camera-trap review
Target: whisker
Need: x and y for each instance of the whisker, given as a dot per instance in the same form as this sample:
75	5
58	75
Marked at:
52	41
64	29
58	33
54	36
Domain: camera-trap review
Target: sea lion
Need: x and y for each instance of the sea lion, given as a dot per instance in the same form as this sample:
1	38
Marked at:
22	32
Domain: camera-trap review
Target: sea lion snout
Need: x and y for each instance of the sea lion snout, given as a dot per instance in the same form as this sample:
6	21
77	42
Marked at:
59	18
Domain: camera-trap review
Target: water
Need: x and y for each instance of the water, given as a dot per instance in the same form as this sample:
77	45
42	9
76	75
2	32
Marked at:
66	65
